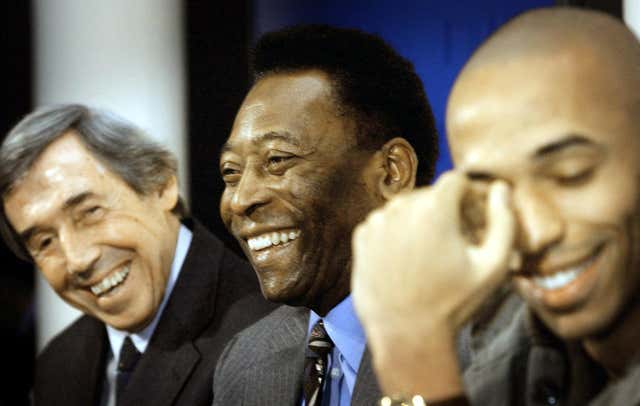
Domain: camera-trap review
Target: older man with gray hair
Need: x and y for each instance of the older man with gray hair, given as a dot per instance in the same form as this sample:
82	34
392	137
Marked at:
95	206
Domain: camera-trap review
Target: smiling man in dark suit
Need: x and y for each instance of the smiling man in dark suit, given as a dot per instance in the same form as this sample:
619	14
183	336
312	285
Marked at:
95	206
332	128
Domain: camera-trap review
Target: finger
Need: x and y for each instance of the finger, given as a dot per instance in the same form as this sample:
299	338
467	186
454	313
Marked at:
448	194
494	253
357	247
357	239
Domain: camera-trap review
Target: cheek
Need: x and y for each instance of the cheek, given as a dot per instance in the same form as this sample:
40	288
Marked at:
630	252
303	191
224	207
56	276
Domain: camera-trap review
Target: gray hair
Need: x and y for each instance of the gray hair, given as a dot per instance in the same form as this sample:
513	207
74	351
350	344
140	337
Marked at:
143	164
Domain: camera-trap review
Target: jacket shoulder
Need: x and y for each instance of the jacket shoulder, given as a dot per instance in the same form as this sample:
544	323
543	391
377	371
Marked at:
282	331
221	285
77	333
284	327
79	352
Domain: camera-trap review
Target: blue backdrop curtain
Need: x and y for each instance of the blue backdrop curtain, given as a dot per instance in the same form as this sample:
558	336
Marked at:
437	36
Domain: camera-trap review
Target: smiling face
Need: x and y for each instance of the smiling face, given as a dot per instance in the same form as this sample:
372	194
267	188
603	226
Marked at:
296	186
567	141
102	247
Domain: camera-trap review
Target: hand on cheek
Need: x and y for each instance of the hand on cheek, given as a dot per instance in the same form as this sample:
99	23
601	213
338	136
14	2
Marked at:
417	278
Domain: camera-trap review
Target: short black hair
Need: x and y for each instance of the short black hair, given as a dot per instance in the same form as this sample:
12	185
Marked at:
375	85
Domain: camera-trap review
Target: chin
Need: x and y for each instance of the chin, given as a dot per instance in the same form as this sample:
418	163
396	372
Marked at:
580	325
287	295
273	291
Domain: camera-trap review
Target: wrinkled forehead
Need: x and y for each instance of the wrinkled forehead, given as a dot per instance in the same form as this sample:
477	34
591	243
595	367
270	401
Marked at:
298	104
65	157
286	93
64	164
527	102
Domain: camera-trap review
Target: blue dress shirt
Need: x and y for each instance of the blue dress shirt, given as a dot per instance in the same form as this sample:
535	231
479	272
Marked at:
347	334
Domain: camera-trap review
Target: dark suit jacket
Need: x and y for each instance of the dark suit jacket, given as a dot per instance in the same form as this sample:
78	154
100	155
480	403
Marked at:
526	365
263	365
215	296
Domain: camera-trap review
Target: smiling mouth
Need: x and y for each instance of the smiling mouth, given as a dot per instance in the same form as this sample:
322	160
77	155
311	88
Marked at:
266	240
565	277
111	281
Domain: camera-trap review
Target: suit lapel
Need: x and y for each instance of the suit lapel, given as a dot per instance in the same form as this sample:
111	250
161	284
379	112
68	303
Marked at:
279	380
172	353
163	373
366	391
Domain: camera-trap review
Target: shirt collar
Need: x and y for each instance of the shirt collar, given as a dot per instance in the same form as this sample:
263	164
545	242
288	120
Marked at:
141	339
345	331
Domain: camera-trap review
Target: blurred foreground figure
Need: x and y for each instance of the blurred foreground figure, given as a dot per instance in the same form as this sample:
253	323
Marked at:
95	206
544	126
332	128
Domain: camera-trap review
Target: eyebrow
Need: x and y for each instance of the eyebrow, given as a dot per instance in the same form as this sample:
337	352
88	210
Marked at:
68	204
571	140
76	199
269	136
568	141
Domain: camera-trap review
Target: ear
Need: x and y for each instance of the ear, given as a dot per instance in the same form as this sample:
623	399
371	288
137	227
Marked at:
168	194
399	164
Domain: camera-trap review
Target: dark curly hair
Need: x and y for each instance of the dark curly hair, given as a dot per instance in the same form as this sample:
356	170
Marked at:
373	83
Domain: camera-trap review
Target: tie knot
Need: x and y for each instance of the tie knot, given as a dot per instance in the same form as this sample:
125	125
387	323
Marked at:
319	341
129	356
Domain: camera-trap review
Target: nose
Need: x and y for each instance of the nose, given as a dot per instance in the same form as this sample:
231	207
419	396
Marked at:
79	250
541	224
250	193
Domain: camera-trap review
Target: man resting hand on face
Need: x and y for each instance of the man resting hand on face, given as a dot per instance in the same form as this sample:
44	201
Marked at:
94	205
544	131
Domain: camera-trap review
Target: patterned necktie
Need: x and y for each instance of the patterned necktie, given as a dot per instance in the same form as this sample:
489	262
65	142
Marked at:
127	361
315	367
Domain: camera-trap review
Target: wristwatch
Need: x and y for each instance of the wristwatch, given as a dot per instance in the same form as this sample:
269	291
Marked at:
416	400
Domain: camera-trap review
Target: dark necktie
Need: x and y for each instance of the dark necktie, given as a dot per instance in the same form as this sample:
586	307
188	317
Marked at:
129	357
315	367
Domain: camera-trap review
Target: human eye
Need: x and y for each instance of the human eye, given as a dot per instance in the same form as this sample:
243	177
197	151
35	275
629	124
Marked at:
279	162
40	244
230	174
573	173
576	178
92	213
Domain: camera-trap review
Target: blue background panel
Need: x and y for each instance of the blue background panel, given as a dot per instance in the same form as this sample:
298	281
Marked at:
437	36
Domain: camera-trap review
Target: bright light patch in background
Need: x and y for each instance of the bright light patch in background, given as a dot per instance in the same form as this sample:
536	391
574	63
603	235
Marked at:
631	11
120	55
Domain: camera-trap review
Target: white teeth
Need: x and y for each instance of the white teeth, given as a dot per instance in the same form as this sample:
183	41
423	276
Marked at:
563	278
274	238
110	282
558	279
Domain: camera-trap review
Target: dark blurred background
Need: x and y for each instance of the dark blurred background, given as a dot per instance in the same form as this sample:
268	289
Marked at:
438	36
